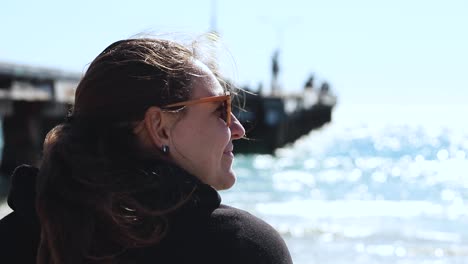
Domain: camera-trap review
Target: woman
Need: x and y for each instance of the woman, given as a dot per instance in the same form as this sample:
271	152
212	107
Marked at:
131	177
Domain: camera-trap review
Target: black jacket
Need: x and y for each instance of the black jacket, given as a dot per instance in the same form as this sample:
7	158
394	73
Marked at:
203	230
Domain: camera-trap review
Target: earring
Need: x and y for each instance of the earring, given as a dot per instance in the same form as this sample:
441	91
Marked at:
165	149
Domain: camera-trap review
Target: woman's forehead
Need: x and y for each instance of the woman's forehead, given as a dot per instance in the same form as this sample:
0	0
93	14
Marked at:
205	83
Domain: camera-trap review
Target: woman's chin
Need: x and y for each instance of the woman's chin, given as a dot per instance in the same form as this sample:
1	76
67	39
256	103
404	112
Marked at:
227	182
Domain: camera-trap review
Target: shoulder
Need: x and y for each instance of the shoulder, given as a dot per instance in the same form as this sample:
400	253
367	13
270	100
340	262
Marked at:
239	220
247	237
20	229
18	239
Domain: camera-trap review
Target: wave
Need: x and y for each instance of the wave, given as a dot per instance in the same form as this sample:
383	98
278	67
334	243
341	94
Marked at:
368	221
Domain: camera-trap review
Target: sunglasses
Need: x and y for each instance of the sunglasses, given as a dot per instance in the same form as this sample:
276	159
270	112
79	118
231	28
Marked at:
226	99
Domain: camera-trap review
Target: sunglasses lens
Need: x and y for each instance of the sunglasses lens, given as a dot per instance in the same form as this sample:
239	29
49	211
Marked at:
227	105
225	111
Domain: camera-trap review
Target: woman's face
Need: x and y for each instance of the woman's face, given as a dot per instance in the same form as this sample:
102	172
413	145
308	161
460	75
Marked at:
200	141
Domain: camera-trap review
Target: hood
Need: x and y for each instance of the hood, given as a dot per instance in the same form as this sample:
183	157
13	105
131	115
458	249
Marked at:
22	195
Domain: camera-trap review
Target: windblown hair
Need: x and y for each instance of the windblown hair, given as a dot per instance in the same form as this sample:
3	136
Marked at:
93	202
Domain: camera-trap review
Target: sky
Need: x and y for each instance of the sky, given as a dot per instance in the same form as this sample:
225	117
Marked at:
396	52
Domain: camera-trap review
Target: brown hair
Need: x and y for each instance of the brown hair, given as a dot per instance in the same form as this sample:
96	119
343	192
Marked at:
92	202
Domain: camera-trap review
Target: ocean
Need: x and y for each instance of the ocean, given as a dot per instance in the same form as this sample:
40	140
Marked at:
380	184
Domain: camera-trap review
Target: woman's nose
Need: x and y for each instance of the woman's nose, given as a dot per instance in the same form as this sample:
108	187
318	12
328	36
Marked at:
237	130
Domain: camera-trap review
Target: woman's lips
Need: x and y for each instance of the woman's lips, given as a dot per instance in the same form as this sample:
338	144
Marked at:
229	153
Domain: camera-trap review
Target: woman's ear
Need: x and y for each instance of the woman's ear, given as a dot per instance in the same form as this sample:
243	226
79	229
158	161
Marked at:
157	125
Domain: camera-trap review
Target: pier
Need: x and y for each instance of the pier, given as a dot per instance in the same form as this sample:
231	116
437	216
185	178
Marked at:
32	101
35	99
273	121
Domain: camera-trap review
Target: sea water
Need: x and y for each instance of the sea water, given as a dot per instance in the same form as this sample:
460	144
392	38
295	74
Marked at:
380	184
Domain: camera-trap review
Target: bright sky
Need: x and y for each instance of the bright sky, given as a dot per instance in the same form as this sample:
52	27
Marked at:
370	51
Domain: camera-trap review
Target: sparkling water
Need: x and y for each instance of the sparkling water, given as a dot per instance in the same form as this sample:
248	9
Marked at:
381	184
